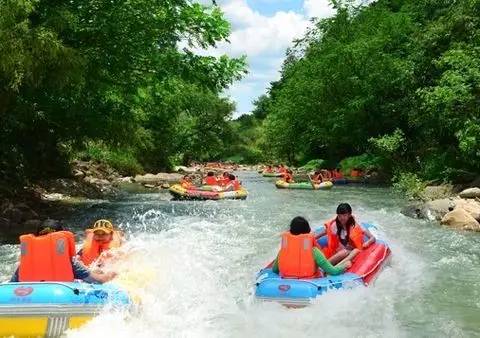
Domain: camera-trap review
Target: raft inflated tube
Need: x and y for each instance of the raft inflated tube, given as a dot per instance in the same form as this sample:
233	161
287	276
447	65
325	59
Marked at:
300	292
339	181
280	184
49	308
180	192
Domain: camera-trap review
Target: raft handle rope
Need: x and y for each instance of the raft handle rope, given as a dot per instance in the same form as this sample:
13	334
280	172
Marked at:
76	291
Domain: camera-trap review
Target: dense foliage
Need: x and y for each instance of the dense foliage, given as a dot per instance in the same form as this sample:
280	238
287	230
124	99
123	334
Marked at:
398	80
110	75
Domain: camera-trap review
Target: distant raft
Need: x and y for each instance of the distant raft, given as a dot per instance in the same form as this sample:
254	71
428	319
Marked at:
366	267
338	180
265	174
280	184
47	309
206	193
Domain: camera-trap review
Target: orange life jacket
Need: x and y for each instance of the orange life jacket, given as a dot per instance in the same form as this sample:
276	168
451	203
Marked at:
287	177
211	180
356	173
186	184
333	242
46	257
92	249
224	181
295	259
337	174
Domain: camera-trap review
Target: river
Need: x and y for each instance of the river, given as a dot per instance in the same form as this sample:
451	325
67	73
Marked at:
195	263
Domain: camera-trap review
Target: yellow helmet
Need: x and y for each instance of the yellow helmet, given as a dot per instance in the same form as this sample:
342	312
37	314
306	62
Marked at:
103	225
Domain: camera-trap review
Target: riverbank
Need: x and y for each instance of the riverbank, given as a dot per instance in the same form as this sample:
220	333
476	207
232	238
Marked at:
90	183
456	207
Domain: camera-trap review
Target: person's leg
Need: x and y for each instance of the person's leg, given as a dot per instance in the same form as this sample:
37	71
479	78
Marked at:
350	256
338	256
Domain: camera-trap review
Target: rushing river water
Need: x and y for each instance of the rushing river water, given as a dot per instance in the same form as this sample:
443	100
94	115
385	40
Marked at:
194	266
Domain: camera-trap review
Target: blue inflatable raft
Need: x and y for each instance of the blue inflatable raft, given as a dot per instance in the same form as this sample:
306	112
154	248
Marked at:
366	266
49	308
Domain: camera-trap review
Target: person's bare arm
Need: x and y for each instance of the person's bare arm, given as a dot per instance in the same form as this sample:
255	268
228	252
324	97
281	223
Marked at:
371	238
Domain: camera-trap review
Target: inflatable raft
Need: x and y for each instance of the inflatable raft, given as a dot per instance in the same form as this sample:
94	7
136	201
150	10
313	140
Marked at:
179	192
264	174
280	184
355	179
37	309
300	292
339	181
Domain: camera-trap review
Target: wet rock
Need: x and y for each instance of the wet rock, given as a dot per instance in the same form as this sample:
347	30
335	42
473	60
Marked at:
151	186
78	173
414	210
460	219
470	193
123	180
436	209
53	197
81	165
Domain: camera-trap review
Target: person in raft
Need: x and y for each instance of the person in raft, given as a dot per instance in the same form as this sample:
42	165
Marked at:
288	176
210	179
225	179
345	237
299	255
233	184
336	173
317	177
186	182
100	239
268	169
49	255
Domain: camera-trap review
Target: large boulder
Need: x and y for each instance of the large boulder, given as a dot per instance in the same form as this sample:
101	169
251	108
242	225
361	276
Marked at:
436	209
470	206
460	219
470	193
